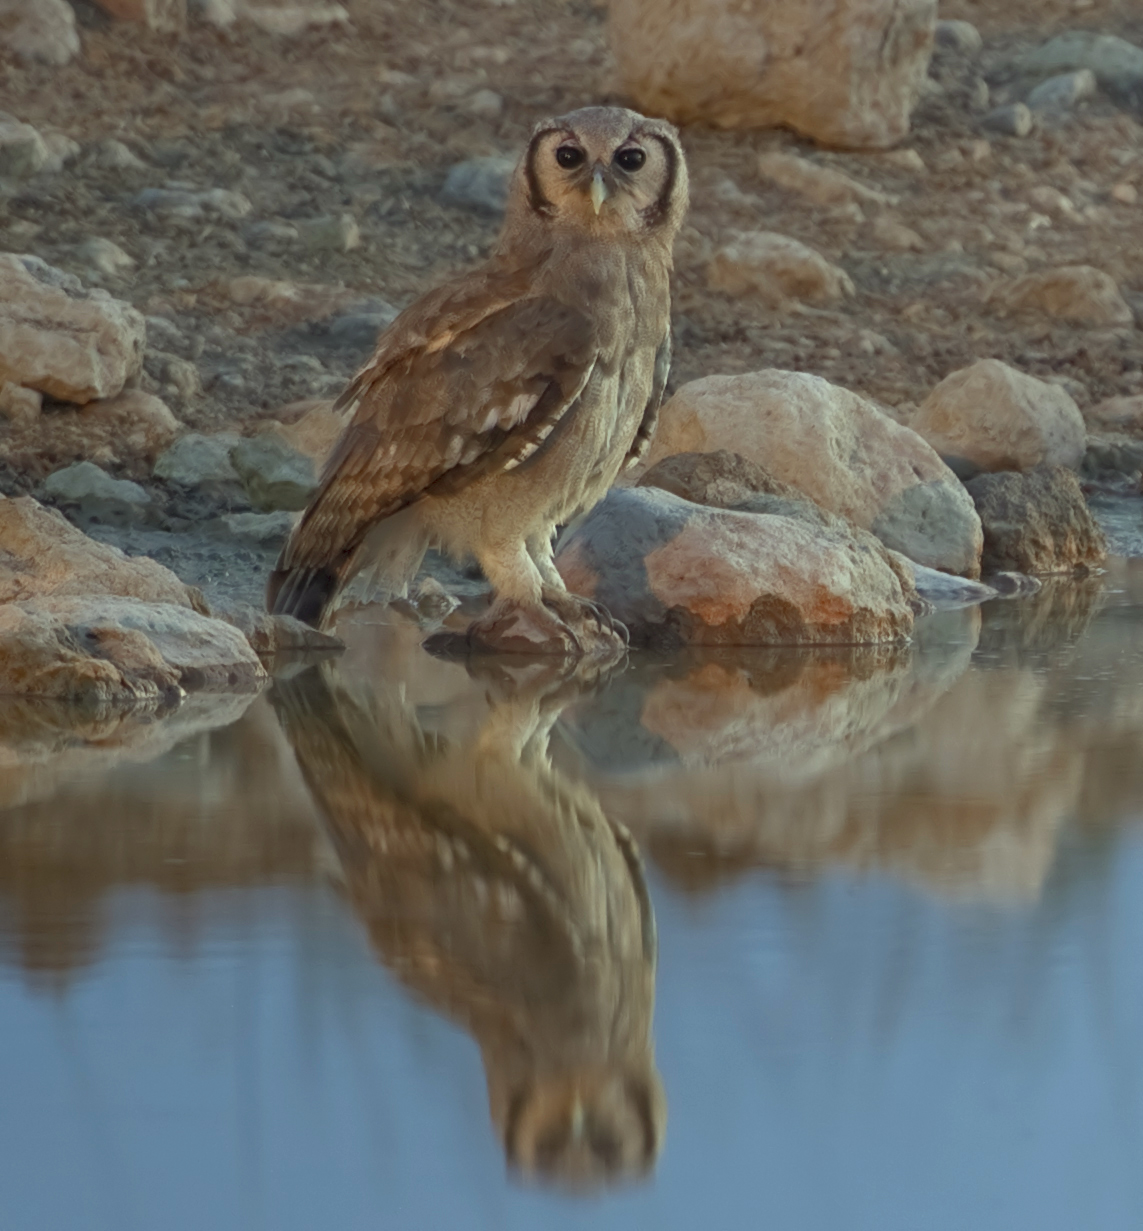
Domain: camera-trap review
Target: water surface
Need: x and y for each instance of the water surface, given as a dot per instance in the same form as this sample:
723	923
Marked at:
812	940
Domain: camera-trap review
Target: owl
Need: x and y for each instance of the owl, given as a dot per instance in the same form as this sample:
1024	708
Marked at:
505	402
498	891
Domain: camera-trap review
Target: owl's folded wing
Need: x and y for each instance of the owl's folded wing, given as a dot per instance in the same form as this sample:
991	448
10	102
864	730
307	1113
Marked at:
476	388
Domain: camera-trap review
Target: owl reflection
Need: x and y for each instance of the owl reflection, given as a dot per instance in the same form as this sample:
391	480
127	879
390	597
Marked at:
496	889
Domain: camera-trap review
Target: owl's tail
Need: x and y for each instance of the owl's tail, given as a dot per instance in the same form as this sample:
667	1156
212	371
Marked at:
379	568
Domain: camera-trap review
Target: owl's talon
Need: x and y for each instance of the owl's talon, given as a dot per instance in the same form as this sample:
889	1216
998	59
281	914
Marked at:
596	630
523	628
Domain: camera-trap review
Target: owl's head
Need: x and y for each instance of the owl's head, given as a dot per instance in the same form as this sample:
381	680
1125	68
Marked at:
606	170
586	1129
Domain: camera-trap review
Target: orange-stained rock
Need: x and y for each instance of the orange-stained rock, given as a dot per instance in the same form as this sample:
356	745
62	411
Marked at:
71	344
680	573
839	450
42	555
844	72
1001	419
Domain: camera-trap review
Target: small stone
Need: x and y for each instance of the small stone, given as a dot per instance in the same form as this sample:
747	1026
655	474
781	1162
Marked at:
274	634
104	256
221	13
195	459
115	156
1125	194
484	104
905	160
61	150
182	203
1036	522
165	16
359	330
1053	202
265	529
1061	93
1116	63
19	404
822	185
23	152
40	31
997	418
295	18
776	268
176	375
945	591
1121	414
270	234
96	495
479	184
274	474
1076	293
1013	120
332	233
894	235
959	36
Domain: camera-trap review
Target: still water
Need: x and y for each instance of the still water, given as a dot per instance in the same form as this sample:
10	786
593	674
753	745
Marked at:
817	940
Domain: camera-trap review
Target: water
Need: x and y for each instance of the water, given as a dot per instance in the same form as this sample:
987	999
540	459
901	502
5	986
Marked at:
378	951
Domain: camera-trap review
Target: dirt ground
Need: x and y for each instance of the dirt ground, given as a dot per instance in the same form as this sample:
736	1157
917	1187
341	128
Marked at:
367	119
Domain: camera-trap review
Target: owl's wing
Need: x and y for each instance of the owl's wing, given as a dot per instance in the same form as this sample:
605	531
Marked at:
650	421
473	379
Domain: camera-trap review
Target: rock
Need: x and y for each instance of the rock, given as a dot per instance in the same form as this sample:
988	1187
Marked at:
61	647
945	591
39	31
269	233
73	345
195	459
133	425
265	529
480	184
23	152
61	150
1113	454
1053	202
1062	92
1014	120
1117	415
678	573
294	18
104	256
315	431
178	377
1036	522
894	235
115	156
1075	293
275	475
484	104
822	185
275	634
19	404
184	203
1000	419
776	268
166	16
843	72
42	555
959	36
836	448
1116	63
96	495
333	233
722	479
360	330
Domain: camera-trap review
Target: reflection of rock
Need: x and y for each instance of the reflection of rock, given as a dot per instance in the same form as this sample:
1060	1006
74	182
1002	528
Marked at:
1056	615
501	893
208	796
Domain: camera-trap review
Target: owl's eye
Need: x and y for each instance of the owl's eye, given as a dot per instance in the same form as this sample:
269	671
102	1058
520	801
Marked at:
630	159
569	156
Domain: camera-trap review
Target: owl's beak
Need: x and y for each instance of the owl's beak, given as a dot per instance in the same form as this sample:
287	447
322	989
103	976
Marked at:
599	192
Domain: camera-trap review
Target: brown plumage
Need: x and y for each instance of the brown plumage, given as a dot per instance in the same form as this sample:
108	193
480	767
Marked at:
505	402
497	890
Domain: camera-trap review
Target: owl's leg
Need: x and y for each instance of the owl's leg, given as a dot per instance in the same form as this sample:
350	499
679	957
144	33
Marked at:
595	628
519	621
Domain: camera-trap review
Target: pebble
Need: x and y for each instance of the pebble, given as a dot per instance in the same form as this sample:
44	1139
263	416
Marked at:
265	529
959	36
1116	63
181	203
96	494
332	233
1125	194
484	104
23	152
41	31
1053	202
104	255
359	330
177	376
895	236
1014	120
479	184
115	156
61	150
275	475
18	403
293	19
1062	92
196	459
268	234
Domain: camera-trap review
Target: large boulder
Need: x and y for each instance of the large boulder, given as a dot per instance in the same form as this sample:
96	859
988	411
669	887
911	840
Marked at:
1037	522
678	573
118	651
997	418
844	72
839	450
42	556
69	343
